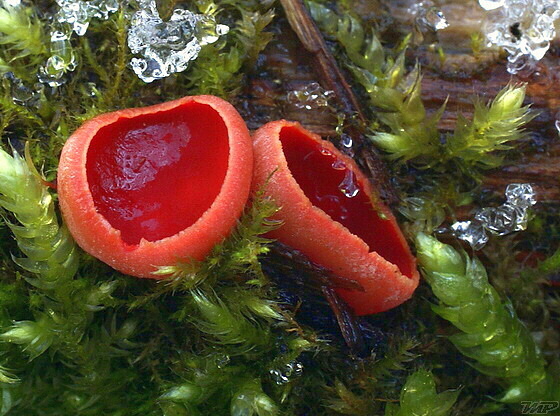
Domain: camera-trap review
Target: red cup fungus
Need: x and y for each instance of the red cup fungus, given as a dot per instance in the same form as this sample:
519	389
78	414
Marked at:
332	214
147	187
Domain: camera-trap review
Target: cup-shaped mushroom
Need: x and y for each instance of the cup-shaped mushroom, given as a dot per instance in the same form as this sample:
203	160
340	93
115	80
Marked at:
147	187
332	214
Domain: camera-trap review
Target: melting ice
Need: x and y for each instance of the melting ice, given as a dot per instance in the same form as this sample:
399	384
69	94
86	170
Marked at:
72	16
524	28
168	47
78	13
509	217
310	96
472	232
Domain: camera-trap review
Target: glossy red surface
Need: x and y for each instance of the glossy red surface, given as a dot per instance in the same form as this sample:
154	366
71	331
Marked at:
155	175
323	177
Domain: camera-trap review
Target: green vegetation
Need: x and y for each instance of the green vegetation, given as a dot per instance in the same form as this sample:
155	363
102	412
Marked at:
492	335
419	397
237	334
409	134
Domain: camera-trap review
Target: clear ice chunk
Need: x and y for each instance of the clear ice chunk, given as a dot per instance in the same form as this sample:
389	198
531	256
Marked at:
168	47
491	4
509	217
21	94
78	13
524	28
287	373
504	219
62	60
521	194
471	232
309	97
72	16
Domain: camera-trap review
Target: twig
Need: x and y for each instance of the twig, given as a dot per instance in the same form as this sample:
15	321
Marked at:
312	40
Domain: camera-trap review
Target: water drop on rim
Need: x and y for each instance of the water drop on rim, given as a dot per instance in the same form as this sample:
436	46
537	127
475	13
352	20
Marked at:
348	185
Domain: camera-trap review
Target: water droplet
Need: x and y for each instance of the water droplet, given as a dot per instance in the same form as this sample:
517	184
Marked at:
557	125
310	96
491	4
346	140
338	165
207	31
429	17
348	185
472	232
287	373
168	47
521	194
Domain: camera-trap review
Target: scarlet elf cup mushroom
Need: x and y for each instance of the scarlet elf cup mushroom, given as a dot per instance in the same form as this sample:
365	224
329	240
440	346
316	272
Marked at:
147	187
332	214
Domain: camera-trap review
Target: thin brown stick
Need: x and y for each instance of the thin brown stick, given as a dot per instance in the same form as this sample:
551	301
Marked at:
346	321
312	40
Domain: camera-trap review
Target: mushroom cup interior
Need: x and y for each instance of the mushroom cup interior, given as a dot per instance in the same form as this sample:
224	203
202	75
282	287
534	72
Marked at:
153	175
331	186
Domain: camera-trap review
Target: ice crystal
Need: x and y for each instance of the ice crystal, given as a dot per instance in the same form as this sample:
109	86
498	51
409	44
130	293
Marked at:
524	28
491	4
509	217
310	97
168	47
21	94
521	194
62	60
504	219
78	14
72	16
472	232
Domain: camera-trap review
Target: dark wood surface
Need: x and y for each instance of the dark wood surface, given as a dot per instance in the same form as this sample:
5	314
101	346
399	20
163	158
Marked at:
293	60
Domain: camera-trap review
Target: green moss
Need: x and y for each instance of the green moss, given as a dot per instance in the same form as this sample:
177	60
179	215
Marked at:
419	397
81	339
492	334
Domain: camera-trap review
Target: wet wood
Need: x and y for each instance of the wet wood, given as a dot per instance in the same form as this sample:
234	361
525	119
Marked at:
312	40
310	51
459	79
538	159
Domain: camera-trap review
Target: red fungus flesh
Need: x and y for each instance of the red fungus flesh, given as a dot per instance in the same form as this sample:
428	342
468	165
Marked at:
319	173
148	179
